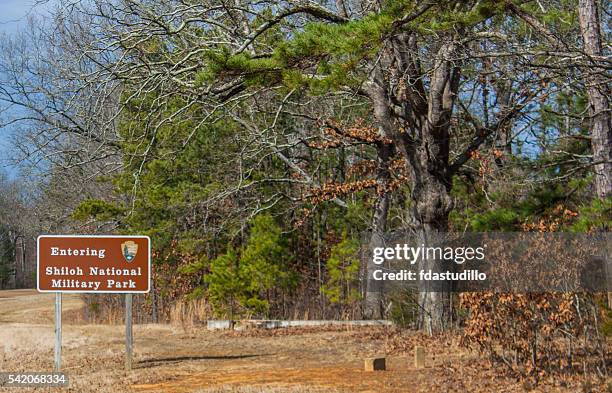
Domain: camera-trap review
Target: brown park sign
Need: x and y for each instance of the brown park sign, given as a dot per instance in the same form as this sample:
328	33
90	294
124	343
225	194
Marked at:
94	264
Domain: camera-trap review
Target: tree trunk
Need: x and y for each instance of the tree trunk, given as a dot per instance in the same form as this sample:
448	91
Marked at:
431	205
417	118
428	162
503	140
374	300
598	92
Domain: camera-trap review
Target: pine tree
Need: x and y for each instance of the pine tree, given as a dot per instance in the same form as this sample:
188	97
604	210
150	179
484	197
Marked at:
240	281
343	273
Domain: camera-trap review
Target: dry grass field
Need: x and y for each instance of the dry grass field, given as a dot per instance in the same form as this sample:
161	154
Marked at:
177	359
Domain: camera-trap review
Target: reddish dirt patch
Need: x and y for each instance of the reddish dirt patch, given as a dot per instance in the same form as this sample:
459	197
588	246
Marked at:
345	377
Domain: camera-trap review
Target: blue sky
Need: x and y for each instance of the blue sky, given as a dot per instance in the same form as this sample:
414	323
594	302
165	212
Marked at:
13	15
11	11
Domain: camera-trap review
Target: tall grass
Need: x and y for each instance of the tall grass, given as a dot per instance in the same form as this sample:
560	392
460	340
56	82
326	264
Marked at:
188	313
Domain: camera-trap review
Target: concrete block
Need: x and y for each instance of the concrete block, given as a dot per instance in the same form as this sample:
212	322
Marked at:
271	324
218	324
419	357
375	364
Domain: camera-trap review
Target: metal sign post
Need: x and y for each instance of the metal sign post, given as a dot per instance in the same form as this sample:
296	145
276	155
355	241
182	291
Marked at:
128	331
58	331
93	264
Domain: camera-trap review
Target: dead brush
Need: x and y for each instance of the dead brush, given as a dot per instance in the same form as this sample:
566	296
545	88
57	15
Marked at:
187	314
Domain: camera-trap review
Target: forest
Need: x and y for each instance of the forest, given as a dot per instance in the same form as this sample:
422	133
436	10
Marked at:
262	144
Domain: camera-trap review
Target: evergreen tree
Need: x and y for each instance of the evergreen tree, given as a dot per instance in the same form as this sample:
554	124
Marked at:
343	268
241	281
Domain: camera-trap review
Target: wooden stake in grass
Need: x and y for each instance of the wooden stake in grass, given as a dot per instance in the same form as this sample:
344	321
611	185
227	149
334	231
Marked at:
419	357
375	364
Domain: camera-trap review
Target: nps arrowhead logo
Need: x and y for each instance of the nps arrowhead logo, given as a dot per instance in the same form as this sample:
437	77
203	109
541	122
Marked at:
129	250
